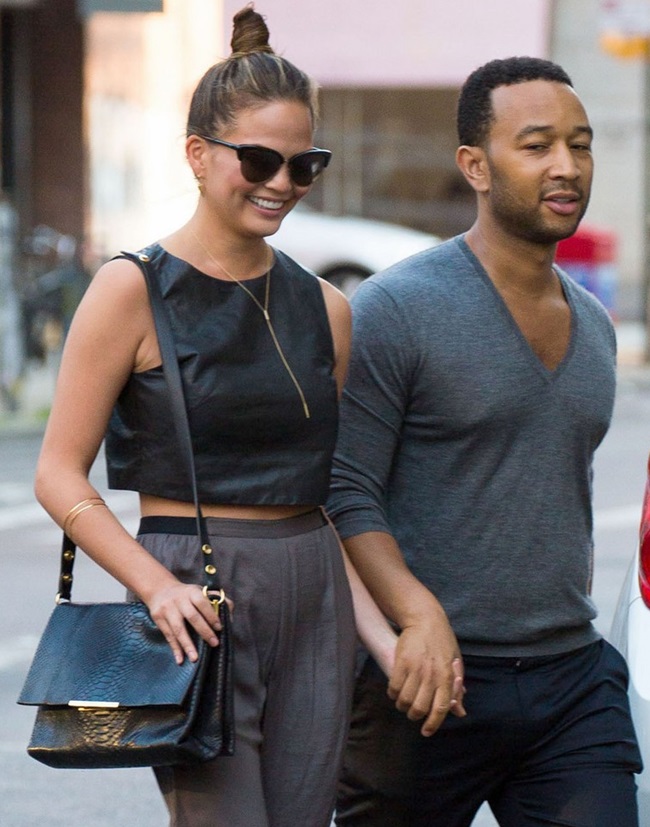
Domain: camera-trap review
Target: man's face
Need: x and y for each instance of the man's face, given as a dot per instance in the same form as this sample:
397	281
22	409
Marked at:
539	160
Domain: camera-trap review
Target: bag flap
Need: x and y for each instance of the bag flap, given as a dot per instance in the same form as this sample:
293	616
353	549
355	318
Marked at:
106	653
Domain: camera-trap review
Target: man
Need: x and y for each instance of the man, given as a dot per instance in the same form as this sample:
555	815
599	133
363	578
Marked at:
481	383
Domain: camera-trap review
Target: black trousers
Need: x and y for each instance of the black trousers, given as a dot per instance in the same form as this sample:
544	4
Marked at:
546	741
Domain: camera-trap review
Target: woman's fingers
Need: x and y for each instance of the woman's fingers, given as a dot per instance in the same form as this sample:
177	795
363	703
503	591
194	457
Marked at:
176	610
458	691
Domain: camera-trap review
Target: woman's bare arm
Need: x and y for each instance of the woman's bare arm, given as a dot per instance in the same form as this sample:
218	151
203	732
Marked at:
111	335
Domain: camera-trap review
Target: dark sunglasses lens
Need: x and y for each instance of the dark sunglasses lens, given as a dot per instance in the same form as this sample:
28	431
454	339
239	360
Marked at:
307	166
259	164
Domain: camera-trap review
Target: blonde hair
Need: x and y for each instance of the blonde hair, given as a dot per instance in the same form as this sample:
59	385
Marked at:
252	75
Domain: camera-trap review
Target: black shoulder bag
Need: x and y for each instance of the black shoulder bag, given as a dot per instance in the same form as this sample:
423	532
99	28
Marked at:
108	690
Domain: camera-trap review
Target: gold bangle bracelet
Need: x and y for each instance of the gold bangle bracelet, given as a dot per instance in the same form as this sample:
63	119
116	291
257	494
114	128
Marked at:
76	510
81	510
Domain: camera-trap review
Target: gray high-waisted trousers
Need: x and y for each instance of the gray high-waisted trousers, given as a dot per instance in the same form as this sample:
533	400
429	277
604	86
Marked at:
294	642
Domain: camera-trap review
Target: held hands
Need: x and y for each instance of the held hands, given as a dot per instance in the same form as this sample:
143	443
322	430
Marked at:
427	679
177	605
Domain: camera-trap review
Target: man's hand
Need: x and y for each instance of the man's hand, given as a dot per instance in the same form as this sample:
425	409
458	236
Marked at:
427	679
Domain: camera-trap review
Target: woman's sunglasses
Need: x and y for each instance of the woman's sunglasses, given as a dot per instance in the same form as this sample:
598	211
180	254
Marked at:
259	163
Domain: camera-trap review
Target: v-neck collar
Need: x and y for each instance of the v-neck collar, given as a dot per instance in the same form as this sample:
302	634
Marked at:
549	374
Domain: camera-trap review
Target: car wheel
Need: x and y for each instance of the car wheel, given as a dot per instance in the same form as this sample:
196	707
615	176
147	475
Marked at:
347	280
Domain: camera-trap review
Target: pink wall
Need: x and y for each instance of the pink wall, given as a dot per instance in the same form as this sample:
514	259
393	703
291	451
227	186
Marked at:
400	42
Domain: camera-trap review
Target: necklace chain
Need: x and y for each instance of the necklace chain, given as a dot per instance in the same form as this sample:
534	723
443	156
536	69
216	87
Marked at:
265	312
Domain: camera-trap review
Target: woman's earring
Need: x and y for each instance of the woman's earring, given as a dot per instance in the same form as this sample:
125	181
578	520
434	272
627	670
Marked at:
200	184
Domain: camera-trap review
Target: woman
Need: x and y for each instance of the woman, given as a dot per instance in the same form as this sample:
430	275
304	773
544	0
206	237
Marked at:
263	347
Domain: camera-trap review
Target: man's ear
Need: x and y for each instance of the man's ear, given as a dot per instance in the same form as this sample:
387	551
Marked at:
472	162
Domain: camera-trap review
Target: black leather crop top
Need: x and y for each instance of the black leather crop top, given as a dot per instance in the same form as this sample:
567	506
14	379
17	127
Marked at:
252	442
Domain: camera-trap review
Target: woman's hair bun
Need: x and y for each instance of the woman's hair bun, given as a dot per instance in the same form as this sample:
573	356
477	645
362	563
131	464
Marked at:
250	32
251	76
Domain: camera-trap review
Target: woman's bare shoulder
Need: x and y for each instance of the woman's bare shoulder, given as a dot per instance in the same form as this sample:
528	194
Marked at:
120	275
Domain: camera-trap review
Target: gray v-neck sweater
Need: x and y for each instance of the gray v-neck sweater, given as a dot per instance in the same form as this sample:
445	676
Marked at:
455	438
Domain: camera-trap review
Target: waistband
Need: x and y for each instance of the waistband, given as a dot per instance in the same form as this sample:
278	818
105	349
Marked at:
527	661
228	527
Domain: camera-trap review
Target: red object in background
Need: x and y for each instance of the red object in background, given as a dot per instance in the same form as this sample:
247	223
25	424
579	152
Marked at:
588	244
590	257
644	545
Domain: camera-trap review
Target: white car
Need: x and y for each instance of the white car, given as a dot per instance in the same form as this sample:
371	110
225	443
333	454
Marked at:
345	249
630	633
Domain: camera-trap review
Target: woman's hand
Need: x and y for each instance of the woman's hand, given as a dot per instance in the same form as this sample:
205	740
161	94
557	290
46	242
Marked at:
174	607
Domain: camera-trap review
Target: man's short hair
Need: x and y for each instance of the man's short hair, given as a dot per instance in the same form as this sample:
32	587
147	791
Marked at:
474	114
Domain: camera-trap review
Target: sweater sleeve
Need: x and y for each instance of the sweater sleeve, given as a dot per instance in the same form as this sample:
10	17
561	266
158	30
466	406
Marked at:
372	411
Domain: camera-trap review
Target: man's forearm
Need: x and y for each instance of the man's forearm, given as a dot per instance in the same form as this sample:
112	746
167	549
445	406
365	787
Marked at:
427	678
398	593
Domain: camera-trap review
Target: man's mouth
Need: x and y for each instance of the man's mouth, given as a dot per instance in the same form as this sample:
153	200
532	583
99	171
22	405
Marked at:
562	203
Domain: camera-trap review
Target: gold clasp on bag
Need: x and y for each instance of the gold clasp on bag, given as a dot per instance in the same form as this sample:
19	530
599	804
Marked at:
94	704
216	599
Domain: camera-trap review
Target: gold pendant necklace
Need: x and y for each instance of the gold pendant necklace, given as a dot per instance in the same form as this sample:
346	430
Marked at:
265	312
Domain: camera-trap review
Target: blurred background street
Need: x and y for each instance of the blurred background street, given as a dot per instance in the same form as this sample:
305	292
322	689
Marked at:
93	100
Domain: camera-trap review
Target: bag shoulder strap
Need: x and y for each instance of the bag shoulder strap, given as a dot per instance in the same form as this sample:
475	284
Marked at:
172	374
